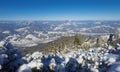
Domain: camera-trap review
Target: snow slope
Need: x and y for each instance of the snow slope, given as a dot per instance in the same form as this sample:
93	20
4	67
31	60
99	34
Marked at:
99	59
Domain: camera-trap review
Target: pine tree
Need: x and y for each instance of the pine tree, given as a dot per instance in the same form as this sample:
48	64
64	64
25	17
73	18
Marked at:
77	41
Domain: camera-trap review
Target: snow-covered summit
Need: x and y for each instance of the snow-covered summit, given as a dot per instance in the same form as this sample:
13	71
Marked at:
99	59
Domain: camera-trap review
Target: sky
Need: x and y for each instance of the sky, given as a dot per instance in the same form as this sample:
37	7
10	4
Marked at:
59	9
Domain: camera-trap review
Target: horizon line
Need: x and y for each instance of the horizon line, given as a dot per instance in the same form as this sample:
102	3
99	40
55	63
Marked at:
57	20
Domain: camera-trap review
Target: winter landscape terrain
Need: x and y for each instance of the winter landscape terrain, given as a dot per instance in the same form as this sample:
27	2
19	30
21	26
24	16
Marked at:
59	46
32	33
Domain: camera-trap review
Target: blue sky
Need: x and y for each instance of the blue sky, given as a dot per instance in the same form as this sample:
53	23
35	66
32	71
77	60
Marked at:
59	9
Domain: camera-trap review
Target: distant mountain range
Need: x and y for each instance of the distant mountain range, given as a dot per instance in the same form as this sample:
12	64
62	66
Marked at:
32	33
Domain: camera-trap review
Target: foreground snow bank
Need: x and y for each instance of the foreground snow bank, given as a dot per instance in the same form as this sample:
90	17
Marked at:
115	67
101	59
24	68
92	60
10	58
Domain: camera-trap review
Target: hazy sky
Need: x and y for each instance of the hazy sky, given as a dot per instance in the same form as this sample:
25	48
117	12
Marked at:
59	9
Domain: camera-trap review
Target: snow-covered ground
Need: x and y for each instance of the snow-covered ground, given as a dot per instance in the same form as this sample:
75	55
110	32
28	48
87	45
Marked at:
100	59
10	58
